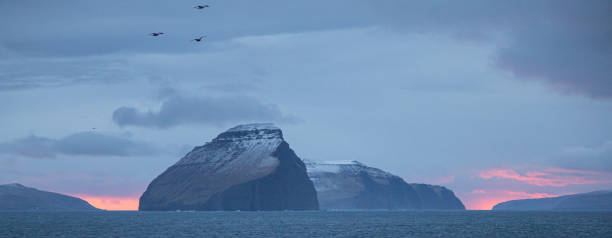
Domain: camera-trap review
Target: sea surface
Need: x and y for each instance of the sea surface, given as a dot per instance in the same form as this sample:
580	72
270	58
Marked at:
307	224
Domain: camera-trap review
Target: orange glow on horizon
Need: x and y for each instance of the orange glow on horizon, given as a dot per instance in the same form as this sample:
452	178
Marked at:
485	200
111	203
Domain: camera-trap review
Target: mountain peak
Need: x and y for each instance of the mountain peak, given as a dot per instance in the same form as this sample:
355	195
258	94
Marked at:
248	167
252	132
254	127
349	184
15	185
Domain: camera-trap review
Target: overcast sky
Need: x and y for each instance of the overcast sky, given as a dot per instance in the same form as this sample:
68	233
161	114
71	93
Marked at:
496	100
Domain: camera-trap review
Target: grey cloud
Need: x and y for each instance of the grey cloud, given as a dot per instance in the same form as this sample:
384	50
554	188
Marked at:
565	43
567	61
24	73
78	144
176	110
598	157
74	27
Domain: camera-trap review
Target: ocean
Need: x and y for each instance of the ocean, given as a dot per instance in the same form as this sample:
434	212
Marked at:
307	224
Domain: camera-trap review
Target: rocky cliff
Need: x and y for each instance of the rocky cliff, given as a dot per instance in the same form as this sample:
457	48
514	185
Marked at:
249	167
16	197
352	185
593	201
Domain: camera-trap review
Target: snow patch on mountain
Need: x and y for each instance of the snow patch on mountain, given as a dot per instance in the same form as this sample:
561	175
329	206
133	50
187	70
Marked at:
348	167
254	127
242	148
348	184
248	167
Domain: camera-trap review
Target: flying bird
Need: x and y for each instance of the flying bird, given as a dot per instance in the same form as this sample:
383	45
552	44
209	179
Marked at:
198	39
157	33
201	6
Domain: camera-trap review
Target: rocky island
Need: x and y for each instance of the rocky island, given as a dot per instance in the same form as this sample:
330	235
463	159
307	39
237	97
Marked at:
353	185
16	197
248	167
593	201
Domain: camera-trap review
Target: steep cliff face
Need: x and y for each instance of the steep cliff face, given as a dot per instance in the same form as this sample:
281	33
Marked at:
437	197
249	167
593	201
352	185
16	197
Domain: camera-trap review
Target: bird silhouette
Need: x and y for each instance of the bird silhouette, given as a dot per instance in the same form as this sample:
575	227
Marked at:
199	39
157	33
201	6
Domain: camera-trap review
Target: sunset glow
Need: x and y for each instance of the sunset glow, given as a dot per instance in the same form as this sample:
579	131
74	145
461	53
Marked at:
268	118
532	179
485	200
111	203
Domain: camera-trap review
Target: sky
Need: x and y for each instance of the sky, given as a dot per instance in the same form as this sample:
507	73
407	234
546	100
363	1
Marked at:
496	100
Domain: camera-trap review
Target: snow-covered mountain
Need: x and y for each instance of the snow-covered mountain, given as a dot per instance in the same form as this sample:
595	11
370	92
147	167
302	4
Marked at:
593	201
248	167
353	185
16	197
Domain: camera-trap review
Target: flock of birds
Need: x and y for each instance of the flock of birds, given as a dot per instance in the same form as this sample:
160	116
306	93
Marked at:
199	7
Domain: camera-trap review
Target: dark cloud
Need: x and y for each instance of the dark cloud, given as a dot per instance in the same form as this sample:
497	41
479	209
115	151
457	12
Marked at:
176	110
563	43
78	144
597	157
567	44
570	49
571	62
73	27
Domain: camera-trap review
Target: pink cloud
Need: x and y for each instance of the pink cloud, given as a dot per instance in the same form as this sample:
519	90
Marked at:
573	171
554	177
